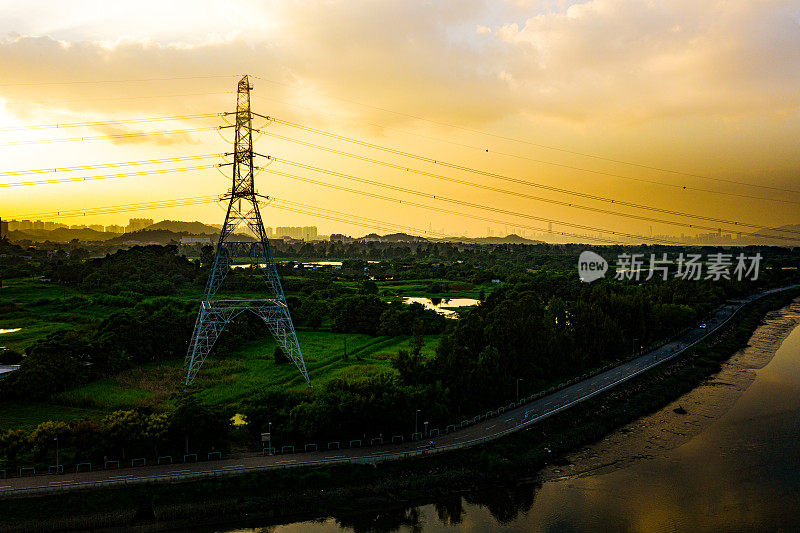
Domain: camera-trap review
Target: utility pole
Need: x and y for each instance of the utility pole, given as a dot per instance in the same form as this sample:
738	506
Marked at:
518	380
243	210
416	419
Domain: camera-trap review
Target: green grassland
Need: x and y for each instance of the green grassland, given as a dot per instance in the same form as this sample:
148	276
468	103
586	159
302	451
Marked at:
248	370
40	308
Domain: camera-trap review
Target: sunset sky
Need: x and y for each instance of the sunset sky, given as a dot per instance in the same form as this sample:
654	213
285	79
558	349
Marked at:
690	107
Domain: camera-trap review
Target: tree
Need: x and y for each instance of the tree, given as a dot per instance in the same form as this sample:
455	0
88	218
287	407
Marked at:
199	426
54	364
124	430
358	314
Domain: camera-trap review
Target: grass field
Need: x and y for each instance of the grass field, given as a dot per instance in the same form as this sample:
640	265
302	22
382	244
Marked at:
251	369
26	415
40	308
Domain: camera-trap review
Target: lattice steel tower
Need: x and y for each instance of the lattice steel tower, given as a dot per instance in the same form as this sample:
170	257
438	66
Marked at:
215	314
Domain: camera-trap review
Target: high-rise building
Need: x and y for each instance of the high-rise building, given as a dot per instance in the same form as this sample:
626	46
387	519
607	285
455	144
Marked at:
25	224
115	228
50	226
136	224
38	224
304	233
3	228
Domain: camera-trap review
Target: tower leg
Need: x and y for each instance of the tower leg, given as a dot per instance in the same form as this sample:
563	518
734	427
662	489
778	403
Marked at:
280	325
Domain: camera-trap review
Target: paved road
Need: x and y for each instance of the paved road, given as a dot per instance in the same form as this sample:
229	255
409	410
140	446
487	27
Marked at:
485	429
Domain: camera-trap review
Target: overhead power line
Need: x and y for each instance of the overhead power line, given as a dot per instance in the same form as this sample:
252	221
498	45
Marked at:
485	150
110	136
490	208
139	206
441	210
469	204
348	218
538	145
110	98
513	193
110	122
106	176
505	178
106	165
452	165
128	80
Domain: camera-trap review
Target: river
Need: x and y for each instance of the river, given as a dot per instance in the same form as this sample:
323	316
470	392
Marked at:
730	463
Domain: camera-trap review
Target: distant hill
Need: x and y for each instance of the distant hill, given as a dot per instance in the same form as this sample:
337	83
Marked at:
178	226
162	236
401	237
508	239
60	235
763	235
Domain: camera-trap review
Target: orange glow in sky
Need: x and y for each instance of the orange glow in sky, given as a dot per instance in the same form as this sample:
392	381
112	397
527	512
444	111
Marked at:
688	106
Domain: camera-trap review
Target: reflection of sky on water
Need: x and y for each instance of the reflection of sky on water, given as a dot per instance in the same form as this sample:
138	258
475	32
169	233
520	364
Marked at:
739	474
441	305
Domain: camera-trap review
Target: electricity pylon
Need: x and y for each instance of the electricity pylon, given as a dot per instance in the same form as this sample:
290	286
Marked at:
214	313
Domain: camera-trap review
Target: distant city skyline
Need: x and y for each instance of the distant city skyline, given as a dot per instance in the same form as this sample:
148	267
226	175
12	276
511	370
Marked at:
310	233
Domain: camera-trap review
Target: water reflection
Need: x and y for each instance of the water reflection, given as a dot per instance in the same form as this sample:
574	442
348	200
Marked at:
384	521
443	306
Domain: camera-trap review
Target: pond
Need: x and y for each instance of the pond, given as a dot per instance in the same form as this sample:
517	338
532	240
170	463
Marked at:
443	306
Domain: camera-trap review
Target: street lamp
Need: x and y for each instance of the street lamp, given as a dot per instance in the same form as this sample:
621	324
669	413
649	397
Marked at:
426	428
56	439
416	419
269	437
518	380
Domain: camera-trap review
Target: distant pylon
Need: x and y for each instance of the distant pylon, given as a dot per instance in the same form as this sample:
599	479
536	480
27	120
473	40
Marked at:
215	313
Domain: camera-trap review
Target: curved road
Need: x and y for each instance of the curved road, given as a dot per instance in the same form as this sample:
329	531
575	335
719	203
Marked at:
499	423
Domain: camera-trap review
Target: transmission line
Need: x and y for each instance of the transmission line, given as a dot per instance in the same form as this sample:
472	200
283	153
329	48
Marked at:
107	176
510	179
110	122
514	193
104	98
107	165
437	209
488	208
177	202
129	80
484	149
342	217
109	136
486	173
538	145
